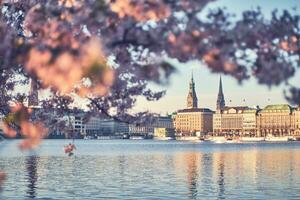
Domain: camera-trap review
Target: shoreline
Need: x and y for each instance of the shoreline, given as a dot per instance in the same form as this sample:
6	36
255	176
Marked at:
211	139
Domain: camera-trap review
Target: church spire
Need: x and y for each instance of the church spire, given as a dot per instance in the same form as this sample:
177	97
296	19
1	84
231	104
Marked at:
192	101
220	100
33	99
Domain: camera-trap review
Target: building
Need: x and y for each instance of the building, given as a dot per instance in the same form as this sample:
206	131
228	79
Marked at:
237	120
275	120
296	122
75	125
249	122
220	98
164	132
229	121
191	120
93	126
145	130
192	100
217	123
97	126
163	122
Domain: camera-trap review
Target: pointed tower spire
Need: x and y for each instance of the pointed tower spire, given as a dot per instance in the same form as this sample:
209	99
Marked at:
33	99
192	100
220	100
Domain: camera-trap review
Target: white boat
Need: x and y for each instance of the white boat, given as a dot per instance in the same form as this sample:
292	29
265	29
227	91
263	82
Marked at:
88	138
233	141
219	140
163	138
136	138
292	138
277	139
188	138
252	139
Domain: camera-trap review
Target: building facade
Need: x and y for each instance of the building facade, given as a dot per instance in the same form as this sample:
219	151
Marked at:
193	119
276	120
75	126
97	126
164	132
273	120
250	122
235	121
296	122
145	130
238	120
190	121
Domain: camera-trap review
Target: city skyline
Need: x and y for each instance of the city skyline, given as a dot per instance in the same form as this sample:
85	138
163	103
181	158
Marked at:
150	99
249	93
207	83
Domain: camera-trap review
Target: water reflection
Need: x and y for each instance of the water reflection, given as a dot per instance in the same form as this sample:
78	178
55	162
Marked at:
192	174
221	178
166	172
31	168
199	181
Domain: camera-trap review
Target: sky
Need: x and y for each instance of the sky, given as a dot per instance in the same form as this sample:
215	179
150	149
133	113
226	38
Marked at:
207	84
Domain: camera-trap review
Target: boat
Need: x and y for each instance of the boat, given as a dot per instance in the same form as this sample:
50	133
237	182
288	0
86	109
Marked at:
163	138
188	138
103	138
277	139
219	140
88	137
233	141
126	136
136	138
292	138
252	139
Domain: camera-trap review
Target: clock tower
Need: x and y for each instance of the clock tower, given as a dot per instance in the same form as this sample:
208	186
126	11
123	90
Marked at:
192	101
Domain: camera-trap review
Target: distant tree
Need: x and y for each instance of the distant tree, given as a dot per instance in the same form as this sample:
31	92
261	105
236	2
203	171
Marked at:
108	51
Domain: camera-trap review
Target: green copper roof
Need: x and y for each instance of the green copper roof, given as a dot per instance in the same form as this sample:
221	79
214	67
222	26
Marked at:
279	107
250	111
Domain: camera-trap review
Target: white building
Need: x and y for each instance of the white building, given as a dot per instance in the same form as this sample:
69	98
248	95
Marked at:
249	122
297	122
235	120
75	124
95	126
160	122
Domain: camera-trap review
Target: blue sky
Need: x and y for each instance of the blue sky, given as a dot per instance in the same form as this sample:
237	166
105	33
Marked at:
207	83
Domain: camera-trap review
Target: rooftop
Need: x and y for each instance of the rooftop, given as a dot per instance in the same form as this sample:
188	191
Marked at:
278	107
250	110
195	110
236	108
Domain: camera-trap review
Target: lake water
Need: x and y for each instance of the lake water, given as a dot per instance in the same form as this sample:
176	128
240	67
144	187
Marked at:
146	169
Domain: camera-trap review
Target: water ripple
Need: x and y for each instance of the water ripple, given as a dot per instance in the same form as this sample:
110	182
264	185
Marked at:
152	170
